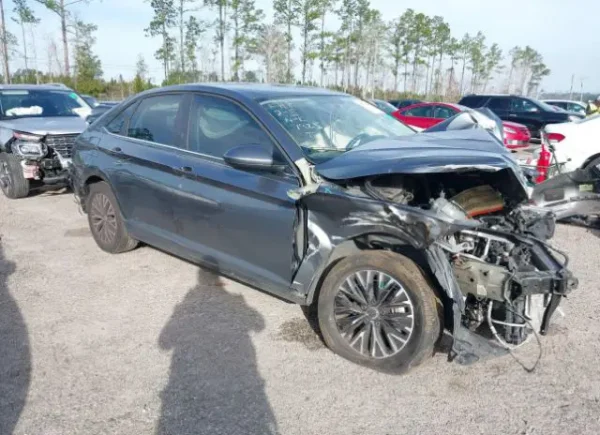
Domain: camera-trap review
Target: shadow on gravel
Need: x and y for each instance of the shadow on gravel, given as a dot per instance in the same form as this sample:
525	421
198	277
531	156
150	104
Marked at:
214	385
15	358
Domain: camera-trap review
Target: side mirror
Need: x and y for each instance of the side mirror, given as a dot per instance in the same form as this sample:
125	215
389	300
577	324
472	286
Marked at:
254	157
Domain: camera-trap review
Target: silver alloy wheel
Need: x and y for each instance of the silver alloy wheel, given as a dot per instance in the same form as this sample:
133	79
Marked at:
374	313
103	218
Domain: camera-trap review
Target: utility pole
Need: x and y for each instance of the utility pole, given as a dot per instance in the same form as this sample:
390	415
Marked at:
581	89
571	90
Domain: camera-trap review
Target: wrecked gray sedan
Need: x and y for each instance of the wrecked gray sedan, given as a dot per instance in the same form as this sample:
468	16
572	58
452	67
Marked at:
387	237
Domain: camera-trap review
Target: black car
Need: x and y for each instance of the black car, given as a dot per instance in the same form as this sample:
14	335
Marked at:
387	237
530	112
399	104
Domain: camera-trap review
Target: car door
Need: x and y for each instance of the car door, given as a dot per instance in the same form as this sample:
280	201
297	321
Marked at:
418	116
146	172
241	221
527	113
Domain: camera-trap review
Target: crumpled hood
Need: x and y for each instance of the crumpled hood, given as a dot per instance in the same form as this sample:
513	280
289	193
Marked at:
46	125
446	151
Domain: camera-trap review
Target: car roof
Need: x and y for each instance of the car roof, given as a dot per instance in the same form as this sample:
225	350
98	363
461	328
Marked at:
564	101
34	87
452	105
253	91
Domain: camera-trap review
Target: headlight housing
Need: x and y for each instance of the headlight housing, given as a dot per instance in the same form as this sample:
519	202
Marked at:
28	145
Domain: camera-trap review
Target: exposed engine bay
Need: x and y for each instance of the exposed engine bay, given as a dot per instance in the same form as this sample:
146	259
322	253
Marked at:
511	280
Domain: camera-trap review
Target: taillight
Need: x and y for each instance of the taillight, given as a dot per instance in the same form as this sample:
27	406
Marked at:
554	138
543	164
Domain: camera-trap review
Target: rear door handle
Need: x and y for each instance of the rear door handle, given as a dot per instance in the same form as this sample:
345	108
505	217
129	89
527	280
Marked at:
117	150
186	168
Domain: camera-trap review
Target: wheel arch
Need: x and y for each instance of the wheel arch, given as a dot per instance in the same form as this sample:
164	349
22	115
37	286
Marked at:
364	242
589	160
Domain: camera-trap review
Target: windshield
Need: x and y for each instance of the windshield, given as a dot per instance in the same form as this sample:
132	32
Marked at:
325	126
385	106
547	107
41	103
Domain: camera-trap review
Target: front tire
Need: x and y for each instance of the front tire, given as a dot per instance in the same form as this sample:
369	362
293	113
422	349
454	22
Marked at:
377	309
12	182
106	222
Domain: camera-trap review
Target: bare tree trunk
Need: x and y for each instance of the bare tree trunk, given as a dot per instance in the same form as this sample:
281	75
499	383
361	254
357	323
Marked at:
181	50
322	48
24	46
222	39
166	53
462	77
236	49
63	29
4	45
35	64
304	47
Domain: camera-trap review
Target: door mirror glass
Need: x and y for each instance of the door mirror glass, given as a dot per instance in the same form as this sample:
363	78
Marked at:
254	157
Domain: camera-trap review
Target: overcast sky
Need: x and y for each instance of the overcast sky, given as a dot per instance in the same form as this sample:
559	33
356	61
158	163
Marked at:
567	33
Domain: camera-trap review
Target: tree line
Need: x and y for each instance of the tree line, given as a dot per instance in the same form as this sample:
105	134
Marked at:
364	54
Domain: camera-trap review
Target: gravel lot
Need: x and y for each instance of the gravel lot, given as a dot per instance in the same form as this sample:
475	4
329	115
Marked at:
144	343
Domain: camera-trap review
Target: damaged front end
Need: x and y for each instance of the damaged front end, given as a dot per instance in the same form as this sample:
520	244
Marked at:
44	158
468	225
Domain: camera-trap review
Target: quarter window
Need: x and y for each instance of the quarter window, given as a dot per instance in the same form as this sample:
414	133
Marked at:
442	112
218	125
160	119
118	123
499	104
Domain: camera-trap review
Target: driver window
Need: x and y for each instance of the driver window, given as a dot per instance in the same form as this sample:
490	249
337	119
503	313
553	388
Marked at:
218	125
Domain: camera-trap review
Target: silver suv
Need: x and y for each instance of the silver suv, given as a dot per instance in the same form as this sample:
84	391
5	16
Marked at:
38	127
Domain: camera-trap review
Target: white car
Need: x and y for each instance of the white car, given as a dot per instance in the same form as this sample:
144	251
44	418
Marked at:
574	145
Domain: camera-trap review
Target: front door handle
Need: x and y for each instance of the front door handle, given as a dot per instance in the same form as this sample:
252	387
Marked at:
117	150
186	168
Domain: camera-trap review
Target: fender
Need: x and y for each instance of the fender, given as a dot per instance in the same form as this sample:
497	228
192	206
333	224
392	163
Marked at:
336	221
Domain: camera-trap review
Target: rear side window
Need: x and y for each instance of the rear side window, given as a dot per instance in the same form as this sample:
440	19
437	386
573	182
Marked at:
422	112
117	125
443	112
473	101
161	119
499	104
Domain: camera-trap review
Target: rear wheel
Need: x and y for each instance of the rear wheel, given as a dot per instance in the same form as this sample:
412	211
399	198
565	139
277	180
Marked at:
106	222
378	310
12	182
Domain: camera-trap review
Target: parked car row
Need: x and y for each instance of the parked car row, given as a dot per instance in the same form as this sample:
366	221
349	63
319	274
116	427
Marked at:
386	236
425	115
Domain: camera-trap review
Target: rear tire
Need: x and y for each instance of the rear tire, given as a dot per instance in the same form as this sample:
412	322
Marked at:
106	222
12	182
377	309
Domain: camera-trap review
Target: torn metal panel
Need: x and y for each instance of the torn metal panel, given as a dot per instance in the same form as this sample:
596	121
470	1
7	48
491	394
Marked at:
576	193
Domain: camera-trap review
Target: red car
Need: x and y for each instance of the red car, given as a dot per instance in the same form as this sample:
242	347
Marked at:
425	115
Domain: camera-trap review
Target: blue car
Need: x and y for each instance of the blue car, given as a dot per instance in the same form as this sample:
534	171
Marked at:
387	237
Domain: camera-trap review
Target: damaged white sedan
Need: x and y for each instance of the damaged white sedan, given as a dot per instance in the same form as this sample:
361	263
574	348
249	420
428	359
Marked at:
386	236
